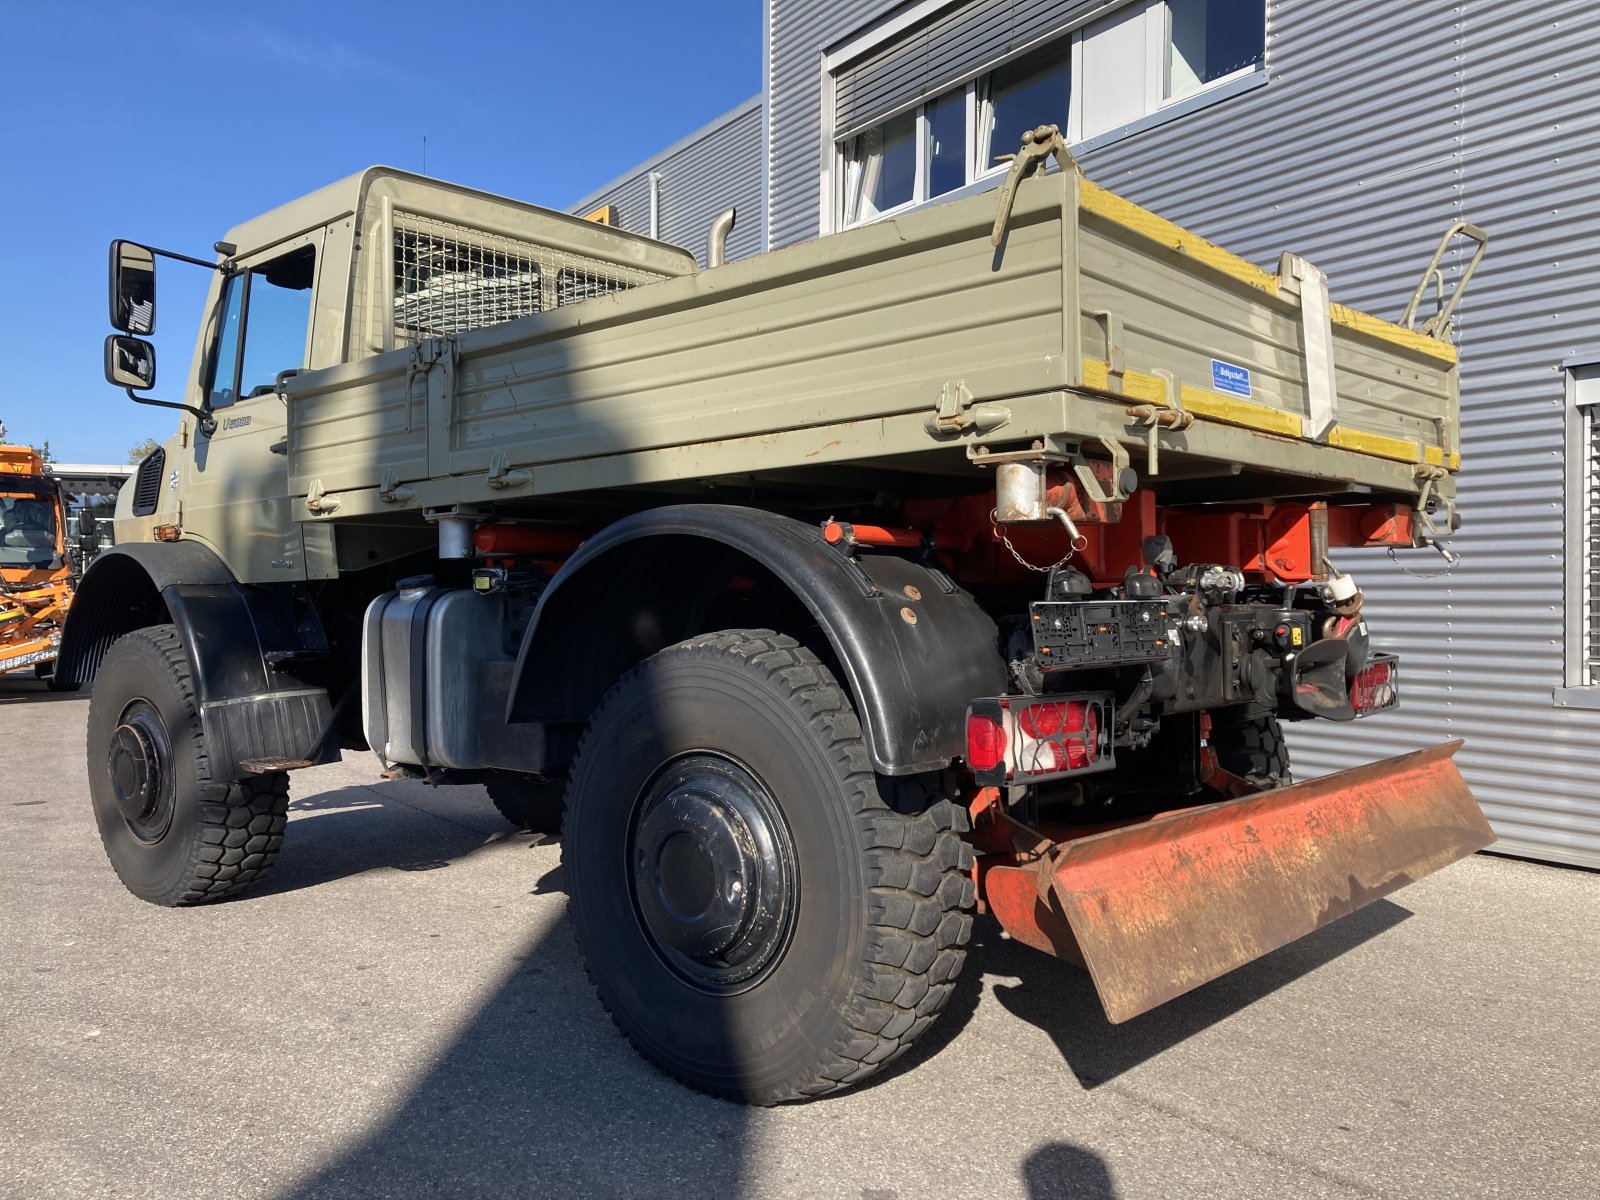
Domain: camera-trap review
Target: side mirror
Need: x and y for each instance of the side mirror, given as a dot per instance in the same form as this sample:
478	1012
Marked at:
133	288
130	362
88	537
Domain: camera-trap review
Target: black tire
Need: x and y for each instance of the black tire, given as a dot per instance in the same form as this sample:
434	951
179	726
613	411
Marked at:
1251	746
174	836
531	804
871	907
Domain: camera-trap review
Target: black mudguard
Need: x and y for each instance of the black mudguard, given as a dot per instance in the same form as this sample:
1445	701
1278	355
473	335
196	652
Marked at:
243	644
913	646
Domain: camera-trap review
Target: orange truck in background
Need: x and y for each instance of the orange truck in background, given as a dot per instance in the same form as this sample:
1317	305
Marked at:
35	570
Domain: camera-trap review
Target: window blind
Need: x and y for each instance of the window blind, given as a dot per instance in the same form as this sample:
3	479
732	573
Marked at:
951	47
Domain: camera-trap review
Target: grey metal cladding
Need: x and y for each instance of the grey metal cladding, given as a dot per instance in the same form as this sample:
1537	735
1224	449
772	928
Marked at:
715	168
715	173
799	30
630	201
951	48
1383	122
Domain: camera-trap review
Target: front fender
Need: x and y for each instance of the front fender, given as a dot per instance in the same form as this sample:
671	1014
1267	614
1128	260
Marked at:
913	646
121	591
242	643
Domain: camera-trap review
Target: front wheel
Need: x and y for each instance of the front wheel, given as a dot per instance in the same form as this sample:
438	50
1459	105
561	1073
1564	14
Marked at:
1250	744
765	919
173	835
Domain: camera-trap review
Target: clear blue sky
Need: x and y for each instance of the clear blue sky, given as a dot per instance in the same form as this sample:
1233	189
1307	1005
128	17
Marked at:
169	122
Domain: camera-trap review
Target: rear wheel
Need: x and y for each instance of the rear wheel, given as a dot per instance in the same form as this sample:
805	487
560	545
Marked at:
1251	745
173	835
531	804
763	917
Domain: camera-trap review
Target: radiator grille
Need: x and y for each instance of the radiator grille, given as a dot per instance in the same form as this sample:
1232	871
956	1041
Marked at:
449	278
147	484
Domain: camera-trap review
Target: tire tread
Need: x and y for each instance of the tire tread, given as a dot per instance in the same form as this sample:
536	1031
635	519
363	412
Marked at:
918	868
239	825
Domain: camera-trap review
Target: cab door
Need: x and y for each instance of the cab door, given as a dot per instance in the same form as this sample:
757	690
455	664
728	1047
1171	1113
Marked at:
235	488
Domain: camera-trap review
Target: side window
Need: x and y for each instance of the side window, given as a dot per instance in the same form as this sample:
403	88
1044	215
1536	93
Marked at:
266	314
220	389
277	320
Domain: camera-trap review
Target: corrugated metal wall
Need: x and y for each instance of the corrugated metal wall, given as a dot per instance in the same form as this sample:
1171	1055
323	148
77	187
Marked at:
1382	123
714	168
798	32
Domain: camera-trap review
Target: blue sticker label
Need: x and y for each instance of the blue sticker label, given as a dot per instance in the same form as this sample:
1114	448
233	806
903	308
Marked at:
1225	377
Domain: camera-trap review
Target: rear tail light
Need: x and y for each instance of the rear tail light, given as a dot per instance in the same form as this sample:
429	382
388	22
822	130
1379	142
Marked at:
1022	739
986	743
1376	686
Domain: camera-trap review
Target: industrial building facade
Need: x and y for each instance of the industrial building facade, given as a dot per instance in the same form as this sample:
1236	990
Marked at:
1352	132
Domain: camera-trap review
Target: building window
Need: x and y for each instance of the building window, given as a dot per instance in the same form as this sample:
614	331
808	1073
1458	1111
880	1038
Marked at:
1208	40
1022	95
1105	74
1584	609
881	174
1591	571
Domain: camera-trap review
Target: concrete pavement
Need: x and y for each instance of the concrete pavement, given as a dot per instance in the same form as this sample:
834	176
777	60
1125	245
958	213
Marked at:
400	1011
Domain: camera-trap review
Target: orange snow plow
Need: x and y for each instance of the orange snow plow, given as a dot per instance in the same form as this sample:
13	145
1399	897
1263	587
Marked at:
1157	907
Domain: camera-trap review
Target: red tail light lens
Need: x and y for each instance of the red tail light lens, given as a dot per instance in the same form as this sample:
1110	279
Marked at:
1376	686
1082	743
1042	720
1016	739
986	742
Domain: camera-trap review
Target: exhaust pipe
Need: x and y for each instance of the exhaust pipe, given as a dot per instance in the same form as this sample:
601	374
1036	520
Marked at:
717	242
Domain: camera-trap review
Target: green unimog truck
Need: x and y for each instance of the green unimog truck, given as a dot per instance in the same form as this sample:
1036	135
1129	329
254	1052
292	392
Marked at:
965	562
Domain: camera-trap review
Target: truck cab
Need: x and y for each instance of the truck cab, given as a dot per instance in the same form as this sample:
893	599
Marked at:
379	260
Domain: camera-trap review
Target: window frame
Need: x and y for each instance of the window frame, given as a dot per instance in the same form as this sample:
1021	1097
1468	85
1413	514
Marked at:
1582	414
244	270
1158	107
842	162
208	386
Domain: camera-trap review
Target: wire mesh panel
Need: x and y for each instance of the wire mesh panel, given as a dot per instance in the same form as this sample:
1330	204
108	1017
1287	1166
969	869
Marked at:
450	278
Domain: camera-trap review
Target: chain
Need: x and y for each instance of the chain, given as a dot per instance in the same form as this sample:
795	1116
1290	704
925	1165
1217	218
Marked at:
1072	548
1395	559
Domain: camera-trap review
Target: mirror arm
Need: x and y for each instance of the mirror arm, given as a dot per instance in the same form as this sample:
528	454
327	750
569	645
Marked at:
226	266
208	423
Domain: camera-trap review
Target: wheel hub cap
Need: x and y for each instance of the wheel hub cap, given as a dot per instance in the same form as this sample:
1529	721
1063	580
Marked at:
713	872
138	761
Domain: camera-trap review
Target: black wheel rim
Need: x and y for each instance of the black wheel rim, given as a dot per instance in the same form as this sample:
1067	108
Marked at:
140	761
712	869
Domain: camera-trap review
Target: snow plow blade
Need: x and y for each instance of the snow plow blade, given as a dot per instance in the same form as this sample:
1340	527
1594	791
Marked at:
1159	908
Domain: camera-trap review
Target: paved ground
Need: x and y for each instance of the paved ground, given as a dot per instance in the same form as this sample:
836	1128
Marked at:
401	1012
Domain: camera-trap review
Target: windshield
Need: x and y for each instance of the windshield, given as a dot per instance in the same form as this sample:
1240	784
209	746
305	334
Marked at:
27	530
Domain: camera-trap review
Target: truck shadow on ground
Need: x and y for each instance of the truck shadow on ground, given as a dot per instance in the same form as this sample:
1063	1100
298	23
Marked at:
1059	998
34	691
365	827
539	1094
